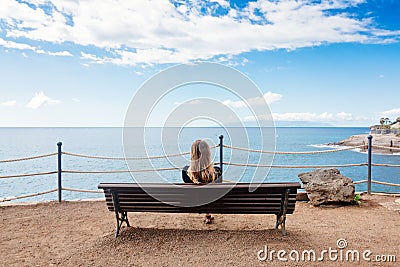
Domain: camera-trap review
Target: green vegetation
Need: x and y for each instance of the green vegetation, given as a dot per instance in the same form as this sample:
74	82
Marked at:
357	199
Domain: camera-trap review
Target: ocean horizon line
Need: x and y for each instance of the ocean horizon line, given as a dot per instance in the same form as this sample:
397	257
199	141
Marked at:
46	127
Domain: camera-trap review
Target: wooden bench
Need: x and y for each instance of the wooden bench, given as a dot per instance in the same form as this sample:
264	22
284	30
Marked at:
268	198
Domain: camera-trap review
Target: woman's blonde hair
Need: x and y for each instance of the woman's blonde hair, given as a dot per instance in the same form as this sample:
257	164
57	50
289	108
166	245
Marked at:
201	169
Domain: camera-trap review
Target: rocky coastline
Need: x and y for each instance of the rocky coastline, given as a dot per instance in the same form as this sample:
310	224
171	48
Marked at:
391	143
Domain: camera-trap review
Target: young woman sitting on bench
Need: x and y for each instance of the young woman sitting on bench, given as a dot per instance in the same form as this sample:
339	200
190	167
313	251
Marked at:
201	169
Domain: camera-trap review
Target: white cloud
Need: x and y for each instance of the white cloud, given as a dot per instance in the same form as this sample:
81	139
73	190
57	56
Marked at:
14	45
308	116
324	117
60	54
41	99
21	46
179	32
268	98
222	3
344	116
391	112
10	103
139	73
305	116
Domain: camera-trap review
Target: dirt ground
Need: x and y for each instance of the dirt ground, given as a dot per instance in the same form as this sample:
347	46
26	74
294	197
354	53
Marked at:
82	234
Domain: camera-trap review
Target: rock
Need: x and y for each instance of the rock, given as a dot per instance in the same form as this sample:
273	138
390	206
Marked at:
327	186
388	141
355	140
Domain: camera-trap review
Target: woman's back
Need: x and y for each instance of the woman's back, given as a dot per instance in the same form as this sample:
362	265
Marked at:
201	168
186	178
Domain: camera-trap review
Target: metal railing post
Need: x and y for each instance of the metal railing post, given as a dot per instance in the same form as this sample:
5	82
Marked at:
369	163
221	152
59	144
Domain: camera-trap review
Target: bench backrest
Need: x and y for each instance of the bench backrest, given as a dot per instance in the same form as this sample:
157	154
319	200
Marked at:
267	198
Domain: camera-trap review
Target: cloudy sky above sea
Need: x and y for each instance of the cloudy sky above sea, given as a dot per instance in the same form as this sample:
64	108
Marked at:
80	62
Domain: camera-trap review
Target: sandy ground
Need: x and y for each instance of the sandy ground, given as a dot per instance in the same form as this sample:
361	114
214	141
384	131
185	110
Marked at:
82	234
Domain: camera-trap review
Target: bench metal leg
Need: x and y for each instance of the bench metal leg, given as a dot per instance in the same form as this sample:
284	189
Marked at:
281	216
121	216
120	220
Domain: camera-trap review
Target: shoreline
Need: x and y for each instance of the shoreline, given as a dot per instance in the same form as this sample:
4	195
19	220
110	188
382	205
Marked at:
386	144
356	149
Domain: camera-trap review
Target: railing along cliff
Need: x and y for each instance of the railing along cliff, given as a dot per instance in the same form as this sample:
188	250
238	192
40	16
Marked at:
221	146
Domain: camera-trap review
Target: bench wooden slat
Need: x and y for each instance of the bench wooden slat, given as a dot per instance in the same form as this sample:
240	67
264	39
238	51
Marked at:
225	198
131	208
225	201
241	196
237	186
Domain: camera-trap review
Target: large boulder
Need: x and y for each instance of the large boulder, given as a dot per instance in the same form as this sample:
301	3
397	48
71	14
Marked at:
325	186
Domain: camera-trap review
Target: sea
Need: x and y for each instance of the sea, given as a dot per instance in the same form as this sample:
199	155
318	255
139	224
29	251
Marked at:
116	143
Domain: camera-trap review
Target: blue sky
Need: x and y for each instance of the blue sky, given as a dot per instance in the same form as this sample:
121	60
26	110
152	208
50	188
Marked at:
79	63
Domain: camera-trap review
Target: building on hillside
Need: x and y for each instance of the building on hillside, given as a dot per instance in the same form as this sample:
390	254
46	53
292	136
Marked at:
388	128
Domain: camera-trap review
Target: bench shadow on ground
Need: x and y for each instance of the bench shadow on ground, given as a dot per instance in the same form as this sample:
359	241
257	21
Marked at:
133	234
187	247
192	239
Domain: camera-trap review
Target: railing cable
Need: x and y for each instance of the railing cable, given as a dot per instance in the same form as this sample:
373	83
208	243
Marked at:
295	153
82	190
27	158
385	183
26	196
385	165
360	182
295	166
27	174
